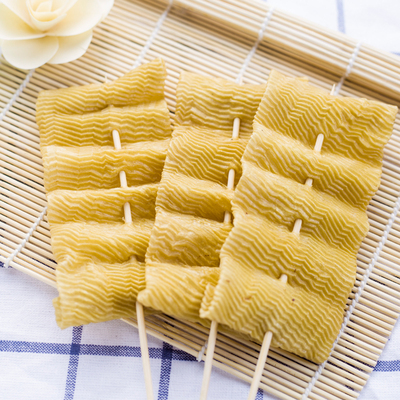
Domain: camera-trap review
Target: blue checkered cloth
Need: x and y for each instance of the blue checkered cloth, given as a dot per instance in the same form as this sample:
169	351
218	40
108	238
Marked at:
102	361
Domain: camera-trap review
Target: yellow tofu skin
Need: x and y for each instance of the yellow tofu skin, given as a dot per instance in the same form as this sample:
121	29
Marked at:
182	259
305	314
100	258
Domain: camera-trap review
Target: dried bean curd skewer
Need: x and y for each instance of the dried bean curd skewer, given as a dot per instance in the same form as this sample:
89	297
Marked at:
139	308
262	358
99	195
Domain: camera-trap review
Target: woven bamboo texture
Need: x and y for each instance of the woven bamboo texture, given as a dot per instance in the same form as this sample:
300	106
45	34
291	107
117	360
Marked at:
224	39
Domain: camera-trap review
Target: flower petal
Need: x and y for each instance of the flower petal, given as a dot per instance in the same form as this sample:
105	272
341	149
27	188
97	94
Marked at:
19	7
32	53
13	27
72	47
65	5
84	15
106	6
44	6
45	21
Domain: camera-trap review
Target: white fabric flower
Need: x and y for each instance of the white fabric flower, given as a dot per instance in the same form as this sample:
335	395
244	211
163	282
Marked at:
35	32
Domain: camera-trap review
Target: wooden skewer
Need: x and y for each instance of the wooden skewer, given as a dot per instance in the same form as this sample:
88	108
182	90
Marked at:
214	325
268	335
139	307
209	360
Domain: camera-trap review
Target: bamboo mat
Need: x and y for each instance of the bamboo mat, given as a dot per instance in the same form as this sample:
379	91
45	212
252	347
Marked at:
223	39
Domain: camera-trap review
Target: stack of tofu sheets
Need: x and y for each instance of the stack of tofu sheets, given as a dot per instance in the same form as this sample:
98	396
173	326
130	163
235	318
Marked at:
214	209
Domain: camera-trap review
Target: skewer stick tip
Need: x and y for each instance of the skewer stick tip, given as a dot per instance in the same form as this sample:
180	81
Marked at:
127	213
116	139
227	217
319	142
283	278
309	182
297	226
236	128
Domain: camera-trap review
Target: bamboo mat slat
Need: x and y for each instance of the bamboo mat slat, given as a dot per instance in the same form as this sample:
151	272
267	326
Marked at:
222	39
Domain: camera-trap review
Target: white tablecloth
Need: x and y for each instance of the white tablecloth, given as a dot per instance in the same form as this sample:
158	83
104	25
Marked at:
102	362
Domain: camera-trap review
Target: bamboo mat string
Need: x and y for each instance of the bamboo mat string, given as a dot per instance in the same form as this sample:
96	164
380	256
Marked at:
17	93
43	212
202	351
26	238
254	48
349	67
357	296
153	35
